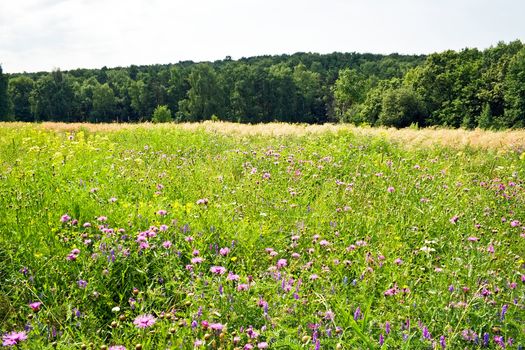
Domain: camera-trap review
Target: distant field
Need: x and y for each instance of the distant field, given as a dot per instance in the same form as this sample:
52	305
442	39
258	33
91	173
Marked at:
227	236
501	140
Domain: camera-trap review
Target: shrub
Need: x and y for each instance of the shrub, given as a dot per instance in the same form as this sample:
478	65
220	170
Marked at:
162	114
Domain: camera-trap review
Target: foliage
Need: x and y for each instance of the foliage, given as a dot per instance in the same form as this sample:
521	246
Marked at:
4	98
162	114
451	88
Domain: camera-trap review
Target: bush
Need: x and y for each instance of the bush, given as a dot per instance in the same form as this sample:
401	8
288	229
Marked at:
162	114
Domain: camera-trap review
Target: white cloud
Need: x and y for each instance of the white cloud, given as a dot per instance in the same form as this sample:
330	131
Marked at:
43	34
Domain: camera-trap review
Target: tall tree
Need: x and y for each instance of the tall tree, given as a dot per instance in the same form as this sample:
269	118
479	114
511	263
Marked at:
4	101
104	103
19	92
203	97
514	92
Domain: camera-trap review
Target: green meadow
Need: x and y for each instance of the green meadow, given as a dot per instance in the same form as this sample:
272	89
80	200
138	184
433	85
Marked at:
161	237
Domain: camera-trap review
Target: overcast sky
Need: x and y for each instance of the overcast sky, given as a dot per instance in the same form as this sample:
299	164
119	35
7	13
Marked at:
40	35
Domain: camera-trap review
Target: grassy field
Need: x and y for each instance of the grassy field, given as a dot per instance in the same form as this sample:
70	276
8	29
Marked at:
221	236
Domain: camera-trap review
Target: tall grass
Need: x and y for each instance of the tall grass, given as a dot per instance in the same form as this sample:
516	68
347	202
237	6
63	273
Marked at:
328	236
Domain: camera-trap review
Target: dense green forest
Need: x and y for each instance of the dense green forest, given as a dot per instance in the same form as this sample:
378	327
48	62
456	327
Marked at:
470	88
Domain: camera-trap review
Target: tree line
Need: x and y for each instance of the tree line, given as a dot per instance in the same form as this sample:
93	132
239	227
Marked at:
469	88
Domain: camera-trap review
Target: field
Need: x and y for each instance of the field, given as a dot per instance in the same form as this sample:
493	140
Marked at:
220	236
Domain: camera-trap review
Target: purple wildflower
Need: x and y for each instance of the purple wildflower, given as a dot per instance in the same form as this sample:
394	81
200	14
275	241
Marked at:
218	270
144	321
13	338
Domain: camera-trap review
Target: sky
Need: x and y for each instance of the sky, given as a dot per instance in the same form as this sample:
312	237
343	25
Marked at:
42	35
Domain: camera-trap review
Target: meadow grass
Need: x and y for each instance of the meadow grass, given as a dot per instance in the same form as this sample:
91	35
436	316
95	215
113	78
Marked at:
222	236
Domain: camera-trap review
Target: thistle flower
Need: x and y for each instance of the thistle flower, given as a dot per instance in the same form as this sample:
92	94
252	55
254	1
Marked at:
35	306
13	338
144	321
218	270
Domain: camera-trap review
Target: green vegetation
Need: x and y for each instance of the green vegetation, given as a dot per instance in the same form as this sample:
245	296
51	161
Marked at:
169	238
454	89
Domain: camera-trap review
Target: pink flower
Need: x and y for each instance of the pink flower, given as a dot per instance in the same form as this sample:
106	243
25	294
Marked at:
224	251
232	277
242	287
398	261
262	345
454	219
145	321
162	212
102	218
13	338
197	260
490	249
65	218
217	326
390	189
281	263
202	201
35	306
514	223
218	270
167	244
473	239
117	347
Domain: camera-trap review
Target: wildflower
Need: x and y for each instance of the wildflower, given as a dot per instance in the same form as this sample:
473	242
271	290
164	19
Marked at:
166	244
248	347
202	201
218	270
426	333
357	313
514	223
398	261
117	347
381	339
216	327
86	225
262	345
242	287
442	342
390	189
454	219
232	277
387	327
224	251
13	338
313	277
198	343
197	260
490	249
281	263
163	227
82	283
504	311
162	212
102	218
144	321
35	306
65	218
473	239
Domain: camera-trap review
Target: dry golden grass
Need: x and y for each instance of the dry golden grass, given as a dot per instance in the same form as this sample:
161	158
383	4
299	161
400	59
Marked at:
458	138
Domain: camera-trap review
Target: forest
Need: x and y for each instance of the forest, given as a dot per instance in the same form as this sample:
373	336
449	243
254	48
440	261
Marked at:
470	88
